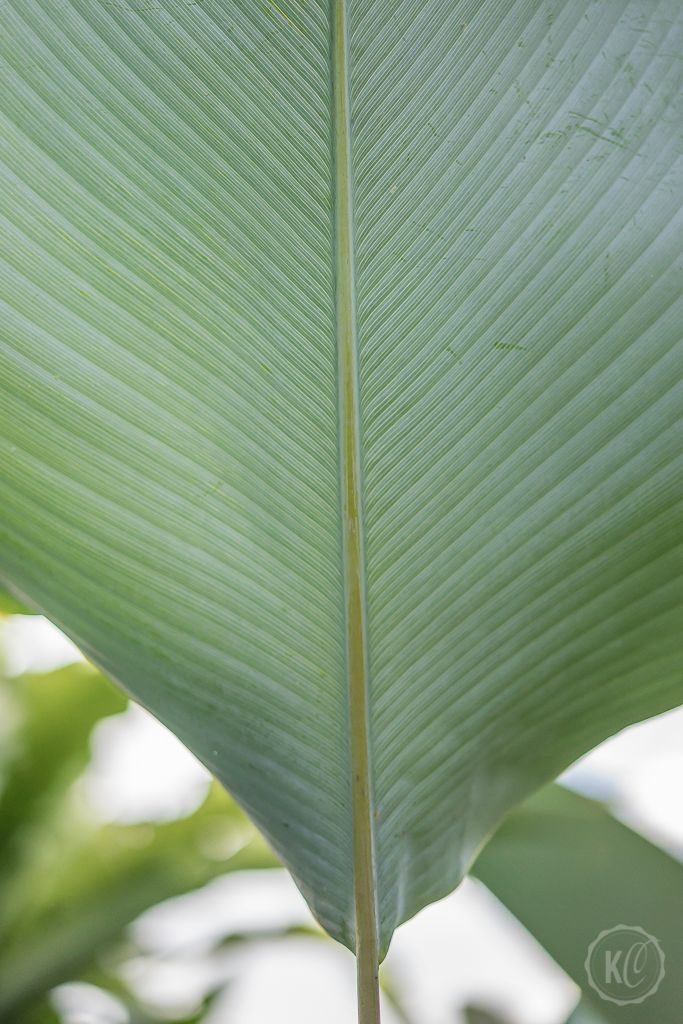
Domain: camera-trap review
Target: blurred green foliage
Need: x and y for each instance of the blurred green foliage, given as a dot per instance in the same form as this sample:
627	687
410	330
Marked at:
69	887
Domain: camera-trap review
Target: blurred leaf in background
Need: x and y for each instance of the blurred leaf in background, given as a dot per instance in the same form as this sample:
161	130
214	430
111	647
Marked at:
568	870
54	716
69	886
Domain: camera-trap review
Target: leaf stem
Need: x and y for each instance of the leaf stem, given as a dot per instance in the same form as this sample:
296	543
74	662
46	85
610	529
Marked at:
365	895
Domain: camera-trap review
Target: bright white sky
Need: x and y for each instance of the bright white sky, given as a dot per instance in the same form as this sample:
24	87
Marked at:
465	948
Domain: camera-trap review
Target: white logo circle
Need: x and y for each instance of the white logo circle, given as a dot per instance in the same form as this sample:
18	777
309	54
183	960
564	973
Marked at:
625	964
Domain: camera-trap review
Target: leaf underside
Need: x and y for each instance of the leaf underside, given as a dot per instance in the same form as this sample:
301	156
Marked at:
171	420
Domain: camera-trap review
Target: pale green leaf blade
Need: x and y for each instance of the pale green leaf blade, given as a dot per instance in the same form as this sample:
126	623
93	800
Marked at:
168	304
179	284
520	295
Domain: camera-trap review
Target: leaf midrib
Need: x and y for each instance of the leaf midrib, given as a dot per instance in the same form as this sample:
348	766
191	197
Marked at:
365	889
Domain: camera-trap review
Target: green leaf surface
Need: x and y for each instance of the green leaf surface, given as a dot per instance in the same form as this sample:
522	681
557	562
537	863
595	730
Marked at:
9	606
569	871
339	397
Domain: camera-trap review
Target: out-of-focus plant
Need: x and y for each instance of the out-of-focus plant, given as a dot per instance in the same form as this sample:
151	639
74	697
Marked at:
70	887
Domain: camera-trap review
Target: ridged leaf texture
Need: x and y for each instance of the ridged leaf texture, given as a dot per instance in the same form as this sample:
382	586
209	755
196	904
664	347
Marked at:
340	396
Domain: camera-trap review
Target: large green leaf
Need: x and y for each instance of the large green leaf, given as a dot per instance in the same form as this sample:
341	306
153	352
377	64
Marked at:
339	409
